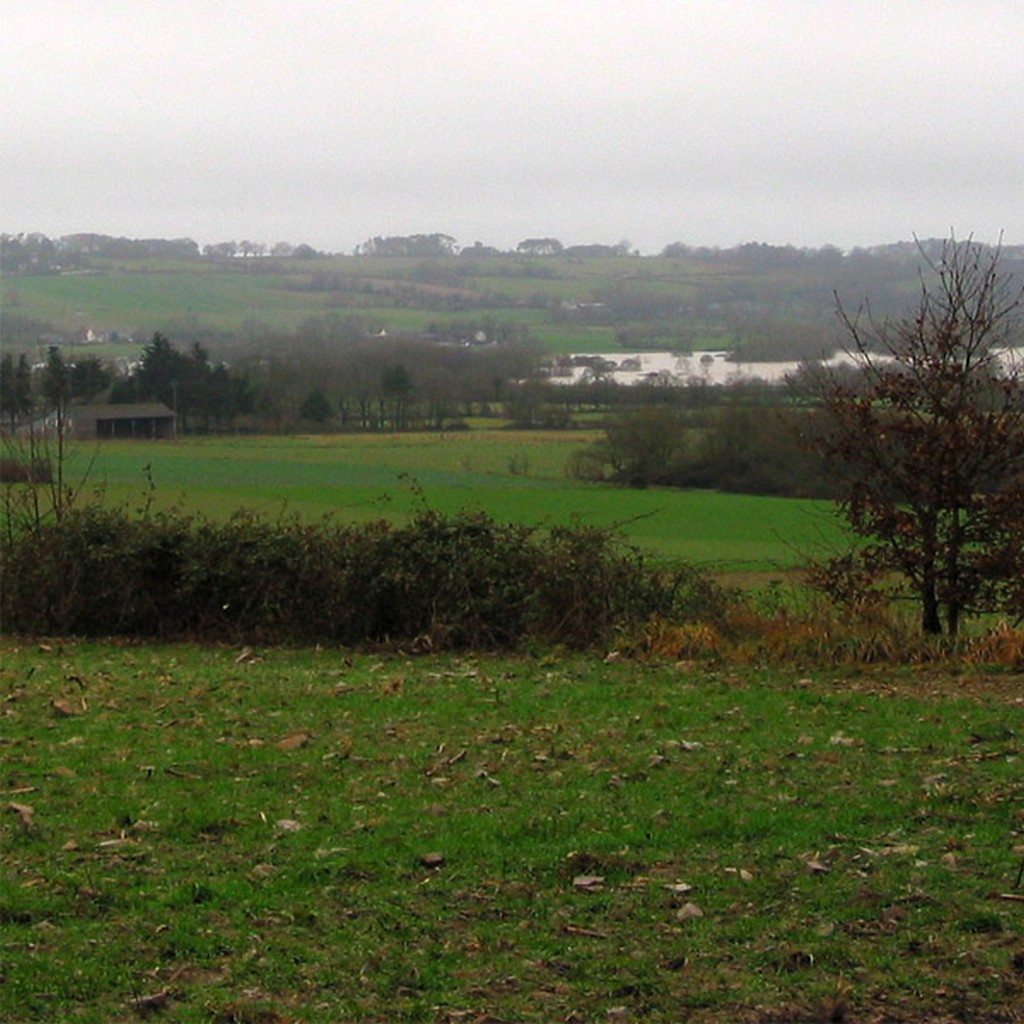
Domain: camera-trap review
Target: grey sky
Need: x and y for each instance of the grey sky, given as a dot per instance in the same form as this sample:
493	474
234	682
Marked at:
712	122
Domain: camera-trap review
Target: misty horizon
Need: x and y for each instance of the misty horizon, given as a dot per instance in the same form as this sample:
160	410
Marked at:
656	122
263	247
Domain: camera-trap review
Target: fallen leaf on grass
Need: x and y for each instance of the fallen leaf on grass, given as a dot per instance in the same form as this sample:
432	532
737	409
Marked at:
145	1005
742	873
63	708
588	883
689	912
589	933
900	850
294	741
680	888
816	867
24	813
115	844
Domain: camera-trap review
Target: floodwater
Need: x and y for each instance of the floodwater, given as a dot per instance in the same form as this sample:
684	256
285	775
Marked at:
703	367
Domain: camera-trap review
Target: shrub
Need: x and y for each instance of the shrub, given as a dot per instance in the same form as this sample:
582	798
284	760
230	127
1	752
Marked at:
462	581
21	471
588	584
93	572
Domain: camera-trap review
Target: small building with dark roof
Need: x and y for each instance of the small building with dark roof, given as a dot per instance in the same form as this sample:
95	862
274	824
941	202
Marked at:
146	421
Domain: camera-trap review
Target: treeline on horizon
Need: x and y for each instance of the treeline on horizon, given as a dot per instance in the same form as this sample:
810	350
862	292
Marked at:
38	253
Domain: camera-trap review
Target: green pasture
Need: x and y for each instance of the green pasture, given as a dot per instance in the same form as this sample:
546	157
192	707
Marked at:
227	300
148	301
513	476
204	835
398	294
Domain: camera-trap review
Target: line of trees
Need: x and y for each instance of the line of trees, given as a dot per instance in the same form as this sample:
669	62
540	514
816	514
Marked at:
15	389
746	443
204	395
36	253
330	375
25	390
333	374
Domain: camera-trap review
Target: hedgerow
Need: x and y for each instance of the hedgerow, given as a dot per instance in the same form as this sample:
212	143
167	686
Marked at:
461	581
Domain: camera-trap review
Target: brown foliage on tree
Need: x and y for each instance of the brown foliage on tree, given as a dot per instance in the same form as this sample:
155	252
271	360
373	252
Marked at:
928	440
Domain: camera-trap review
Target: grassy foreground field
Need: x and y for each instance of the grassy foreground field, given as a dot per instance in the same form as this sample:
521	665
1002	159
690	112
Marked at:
513	476
196	834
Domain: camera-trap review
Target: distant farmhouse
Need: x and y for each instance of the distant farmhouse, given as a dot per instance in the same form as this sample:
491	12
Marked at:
146	421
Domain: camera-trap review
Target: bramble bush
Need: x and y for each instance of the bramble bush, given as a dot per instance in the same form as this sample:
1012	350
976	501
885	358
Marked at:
461	581
21	471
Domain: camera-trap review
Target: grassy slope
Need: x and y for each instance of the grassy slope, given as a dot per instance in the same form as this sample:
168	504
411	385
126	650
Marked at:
146	301
401	294
241	839
359	477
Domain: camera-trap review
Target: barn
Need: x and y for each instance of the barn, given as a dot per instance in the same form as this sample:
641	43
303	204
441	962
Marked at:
145	421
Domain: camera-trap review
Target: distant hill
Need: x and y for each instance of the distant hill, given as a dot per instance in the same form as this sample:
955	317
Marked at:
763	301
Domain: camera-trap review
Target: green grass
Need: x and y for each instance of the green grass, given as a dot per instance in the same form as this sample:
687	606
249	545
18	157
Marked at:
399	294
511	476
151	300
241	837
160	297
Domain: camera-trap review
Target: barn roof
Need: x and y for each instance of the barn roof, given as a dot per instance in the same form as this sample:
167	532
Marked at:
127	411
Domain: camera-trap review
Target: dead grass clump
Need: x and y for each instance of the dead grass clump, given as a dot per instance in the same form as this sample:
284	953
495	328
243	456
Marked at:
825	635
693	641
1002	645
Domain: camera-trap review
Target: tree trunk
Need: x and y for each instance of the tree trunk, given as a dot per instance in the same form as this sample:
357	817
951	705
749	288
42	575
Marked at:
952	618
931	621
953	552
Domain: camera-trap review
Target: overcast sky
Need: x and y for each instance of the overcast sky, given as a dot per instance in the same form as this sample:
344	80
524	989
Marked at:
712	122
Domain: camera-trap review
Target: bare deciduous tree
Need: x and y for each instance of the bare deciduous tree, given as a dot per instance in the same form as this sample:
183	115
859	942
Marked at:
928	438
